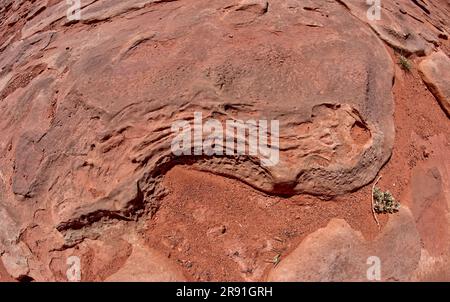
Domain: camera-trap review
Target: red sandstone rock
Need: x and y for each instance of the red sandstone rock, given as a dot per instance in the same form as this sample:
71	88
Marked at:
146	265
86	110
435	71
339	253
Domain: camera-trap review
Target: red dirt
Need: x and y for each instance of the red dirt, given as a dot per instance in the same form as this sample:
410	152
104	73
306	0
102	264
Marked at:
217	229
416	111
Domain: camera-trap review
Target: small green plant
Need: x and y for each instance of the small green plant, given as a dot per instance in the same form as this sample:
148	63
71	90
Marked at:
404	63
384	202
276	259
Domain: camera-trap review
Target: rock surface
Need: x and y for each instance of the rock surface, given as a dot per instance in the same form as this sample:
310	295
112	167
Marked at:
145	265
412	27
429	199
435	71
86	109
339	253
